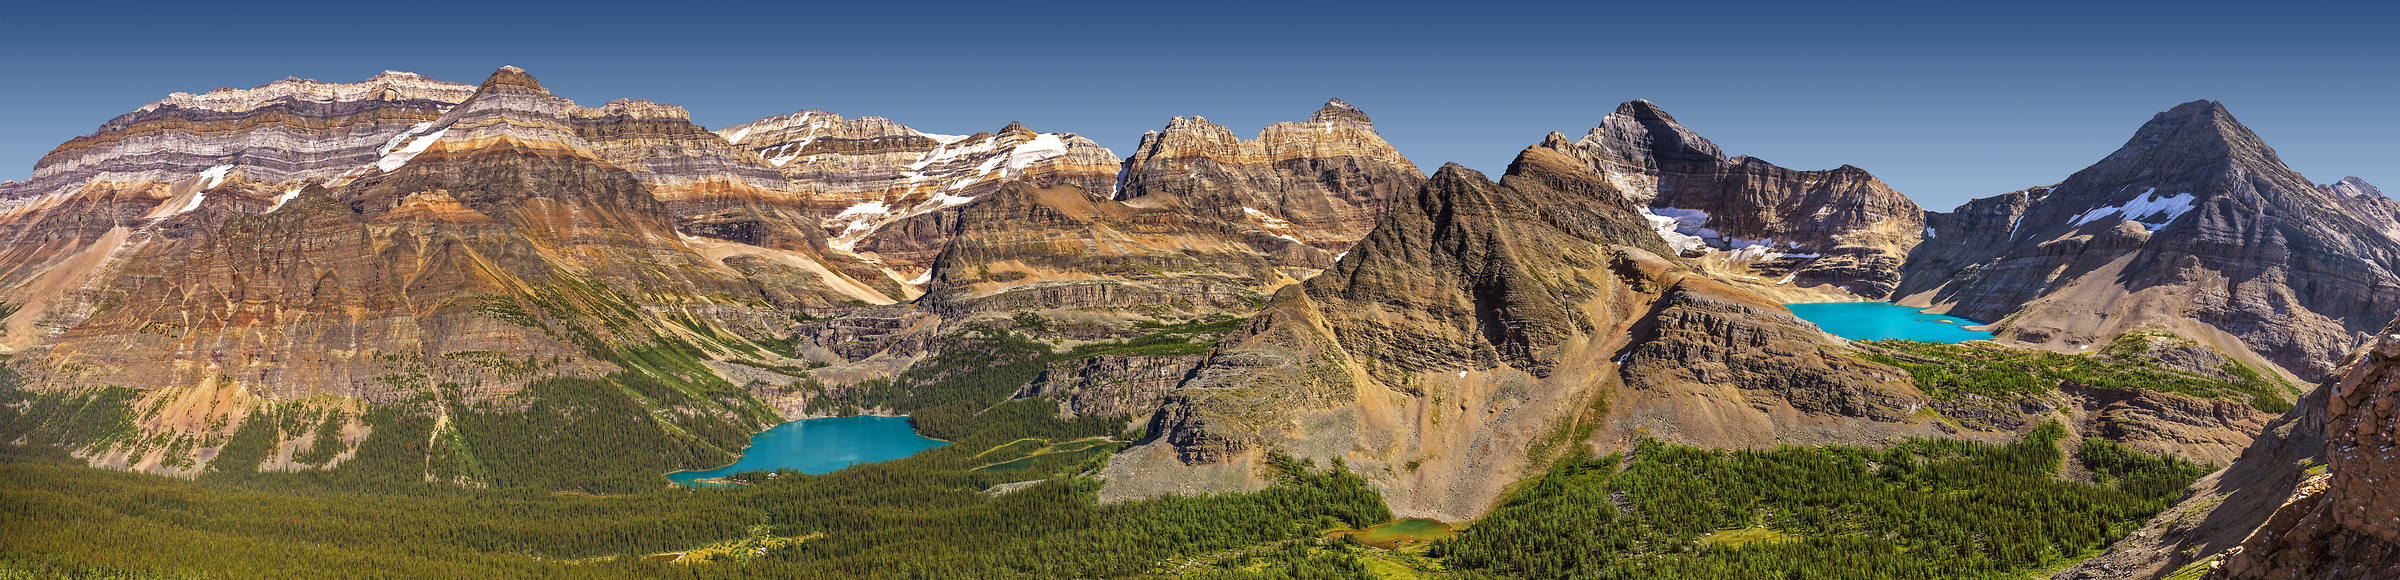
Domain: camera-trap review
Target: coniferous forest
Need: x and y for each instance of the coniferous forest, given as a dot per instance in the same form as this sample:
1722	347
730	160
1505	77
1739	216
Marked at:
566	489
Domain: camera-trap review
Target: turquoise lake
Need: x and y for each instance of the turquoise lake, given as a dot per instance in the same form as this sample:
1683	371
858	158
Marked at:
822	446
1881	320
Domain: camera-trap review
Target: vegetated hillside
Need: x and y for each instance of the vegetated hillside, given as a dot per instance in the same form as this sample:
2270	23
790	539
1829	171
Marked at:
468	337
1924	508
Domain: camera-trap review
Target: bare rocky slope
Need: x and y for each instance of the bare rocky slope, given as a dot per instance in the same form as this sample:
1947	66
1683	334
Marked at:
1837	234
2194	227
2343	522
1323	183
1484	326
451	253
2367	203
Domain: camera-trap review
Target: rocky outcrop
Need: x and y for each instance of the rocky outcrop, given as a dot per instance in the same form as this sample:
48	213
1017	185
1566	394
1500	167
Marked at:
2345	522
1110	385
2366	203
484	250
892	194
1840	230
1484	326
2220	509
2195	227
1323	183
1027	248
286	132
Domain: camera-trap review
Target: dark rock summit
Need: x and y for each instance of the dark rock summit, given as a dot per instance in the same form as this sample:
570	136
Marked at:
1840	231
2194	226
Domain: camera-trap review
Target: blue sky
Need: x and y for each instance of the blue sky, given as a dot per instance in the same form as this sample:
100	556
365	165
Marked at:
1945	101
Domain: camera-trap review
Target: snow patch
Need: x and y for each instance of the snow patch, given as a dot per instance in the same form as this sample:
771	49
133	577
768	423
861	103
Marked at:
1677	227
214	176
922	278
1046	146
2141	206
866	208
1929	231
403	136
738	135
792	151
943	139
1787	278
286	198
396	159
946	153
942	200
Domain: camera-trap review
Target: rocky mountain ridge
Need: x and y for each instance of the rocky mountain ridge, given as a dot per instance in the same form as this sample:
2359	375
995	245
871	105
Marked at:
452	252
1837	234
2194	226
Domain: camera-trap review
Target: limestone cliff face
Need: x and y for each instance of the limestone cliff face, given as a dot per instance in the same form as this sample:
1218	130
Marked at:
2345	522
1840	230
2366	203
182	165
732	202
286	132
1323	183
1023	248
488	248
891	194
1482	327
2193	227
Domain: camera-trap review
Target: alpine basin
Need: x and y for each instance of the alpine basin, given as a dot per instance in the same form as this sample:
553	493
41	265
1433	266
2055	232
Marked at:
1881	320
822	446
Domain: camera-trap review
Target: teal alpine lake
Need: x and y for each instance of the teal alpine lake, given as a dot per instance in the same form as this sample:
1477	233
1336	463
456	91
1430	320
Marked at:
821	446
1881	320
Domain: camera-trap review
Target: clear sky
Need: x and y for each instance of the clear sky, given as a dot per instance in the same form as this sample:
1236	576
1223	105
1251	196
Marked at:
1945	101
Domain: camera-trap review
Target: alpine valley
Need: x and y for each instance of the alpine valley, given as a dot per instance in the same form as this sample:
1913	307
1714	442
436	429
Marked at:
412	328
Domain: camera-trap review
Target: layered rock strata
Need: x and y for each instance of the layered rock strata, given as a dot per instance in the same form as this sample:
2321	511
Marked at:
891	193
487	249
1841	230
1323	183
1482	327
1027	248
2194	226
286	132
2344	522
2367	203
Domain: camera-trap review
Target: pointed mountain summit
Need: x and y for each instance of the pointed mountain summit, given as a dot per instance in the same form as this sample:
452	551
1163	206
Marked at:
2193	227
1837	234
2367	204
1336	109
1478	316
513	79
1323	182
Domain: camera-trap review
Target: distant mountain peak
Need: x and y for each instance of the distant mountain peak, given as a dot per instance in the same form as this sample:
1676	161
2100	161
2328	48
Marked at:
511	78
1644	110
1339	109
2353	187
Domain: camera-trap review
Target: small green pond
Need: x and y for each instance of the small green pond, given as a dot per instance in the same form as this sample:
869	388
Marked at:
1391	535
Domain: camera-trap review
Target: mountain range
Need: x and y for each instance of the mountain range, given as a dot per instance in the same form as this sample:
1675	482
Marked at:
304	276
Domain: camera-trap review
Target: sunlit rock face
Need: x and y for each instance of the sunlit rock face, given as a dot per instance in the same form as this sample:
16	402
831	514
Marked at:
287	132
1837	234
2367	203
485	240
2194	226
892	194
2345	521
1479	319
1323	182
